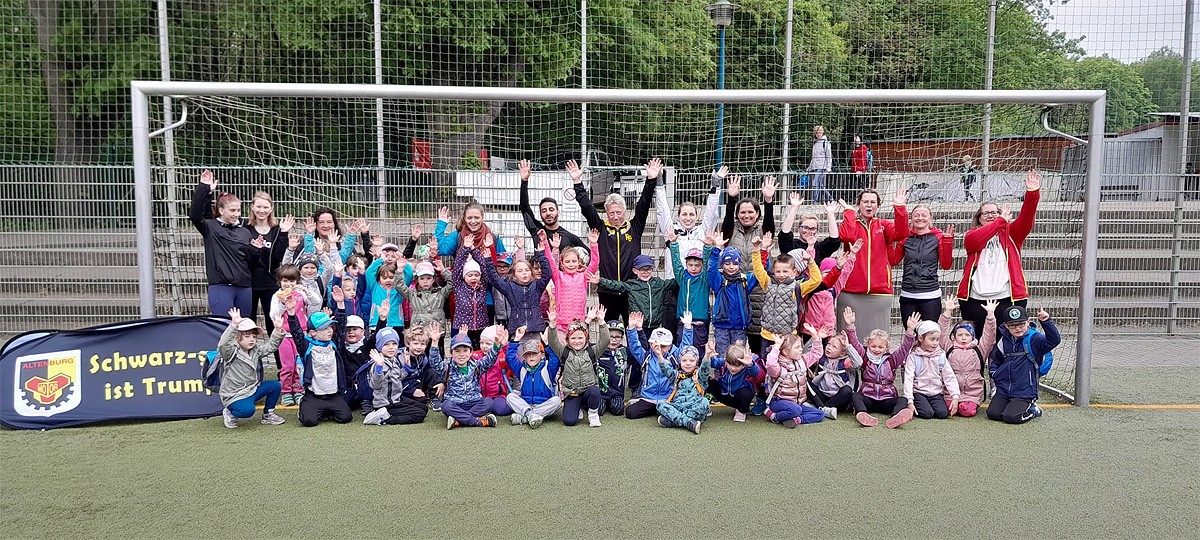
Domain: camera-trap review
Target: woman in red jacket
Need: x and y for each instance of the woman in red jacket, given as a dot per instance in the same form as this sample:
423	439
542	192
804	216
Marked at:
868	290
993	270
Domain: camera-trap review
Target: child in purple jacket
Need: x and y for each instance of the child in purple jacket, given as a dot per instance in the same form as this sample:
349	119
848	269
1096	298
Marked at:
878	393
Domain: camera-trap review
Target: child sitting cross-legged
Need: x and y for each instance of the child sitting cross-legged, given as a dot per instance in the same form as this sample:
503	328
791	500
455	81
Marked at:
403	379
686	406
733	379
535	396
463	403
580	380
240	357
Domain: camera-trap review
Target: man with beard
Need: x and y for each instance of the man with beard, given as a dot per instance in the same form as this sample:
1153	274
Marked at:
548	208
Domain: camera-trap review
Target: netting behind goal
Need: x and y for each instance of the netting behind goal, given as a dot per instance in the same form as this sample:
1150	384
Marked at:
322	152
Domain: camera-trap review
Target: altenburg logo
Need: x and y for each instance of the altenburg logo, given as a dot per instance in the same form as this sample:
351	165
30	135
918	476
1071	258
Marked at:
47	383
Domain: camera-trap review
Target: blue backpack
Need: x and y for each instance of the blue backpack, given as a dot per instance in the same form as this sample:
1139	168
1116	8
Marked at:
1047	359
211	372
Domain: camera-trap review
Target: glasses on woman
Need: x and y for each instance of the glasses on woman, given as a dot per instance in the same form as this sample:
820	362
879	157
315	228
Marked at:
990	213
807	228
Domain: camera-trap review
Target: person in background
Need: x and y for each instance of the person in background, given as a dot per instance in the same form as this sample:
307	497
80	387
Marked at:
820	165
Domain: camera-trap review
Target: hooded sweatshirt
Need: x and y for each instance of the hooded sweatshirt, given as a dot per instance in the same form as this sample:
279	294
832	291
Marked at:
968	362
930	374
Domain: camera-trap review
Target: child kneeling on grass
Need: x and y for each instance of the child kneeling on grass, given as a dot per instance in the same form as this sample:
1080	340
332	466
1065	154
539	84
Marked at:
1015	363
878	393
463	403
402	380
323	376
240	356
733	378
967	355
686	407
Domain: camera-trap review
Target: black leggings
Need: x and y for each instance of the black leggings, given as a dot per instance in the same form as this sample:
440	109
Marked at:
1009	410
840	400
589	399
973	312
641	409
929	309
740	400
885	406
261	299
930	406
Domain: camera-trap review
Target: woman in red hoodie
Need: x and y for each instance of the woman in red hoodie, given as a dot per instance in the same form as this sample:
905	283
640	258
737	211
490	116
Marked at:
869	289
993	270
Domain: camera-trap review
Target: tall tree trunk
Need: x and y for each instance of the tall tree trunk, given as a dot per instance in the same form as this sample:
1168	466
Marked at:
67	144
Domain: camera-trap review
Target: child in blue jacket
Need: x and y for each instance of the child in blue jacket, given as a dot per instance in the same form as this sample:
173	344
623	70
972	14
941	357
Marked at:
733	379
731	309
614	362
535	396
656	386
1014	365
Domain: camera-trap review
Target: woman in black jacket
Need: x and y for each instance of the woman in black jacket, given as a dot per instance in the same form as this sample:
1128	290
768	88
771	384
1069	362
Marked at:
230	248
274	233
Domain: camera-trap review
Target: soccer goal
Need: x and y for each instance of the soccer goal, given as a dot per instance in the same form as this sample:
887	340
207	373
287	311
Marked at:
396	154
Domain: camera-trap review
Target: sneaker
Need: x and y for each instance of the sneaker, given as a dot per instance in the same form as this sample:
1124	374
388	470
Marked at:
534	419
830	412
694	426
866	420
366	409
517	419
760	406
436	404
377	417
271	419
770	415
594	418
899	419
228	419
1035	410
662	421
793	423
581	415
488	421
451	423
298	398
287	400
739	416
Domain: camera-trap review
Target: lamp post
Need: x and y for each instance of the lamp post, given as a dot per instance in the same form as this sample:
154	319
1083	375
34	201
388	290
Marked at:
721	12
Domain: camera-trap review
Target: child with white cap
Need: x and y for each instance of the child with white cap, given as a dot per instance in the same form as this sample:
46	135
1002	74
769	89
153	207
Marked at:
535	396
656	387
928	375
426	298
240	357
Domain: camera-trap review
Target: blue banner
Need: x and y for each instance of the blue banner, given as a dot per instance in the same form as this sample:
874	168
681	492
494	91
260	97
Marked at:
147	369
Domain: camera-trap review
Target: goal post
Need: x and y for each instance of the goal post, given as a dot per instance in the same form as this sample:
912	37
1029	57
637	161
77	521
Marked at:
143	131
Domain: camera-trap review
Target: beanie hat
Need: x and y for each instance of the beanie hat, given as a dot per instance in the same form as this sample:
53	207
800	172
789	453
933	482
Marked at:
307	258
925	327
471	266
460	340
970	328
731	255
423	269
689	351
827	264
488	334
643	261
385	335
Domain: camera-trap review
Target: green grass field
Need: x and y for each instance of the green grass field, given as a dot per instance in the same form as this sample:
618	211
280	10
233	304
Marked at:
1072	473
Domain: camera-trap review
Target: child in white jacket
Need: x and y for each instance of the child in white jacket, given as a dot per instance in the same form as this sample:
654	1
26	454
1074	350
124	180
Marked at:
927	376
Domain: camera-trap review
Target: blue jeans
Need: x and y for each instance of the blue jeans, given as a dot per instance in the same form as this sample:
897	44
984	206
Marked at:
468	413
786	410
819	193
223	297
244	408
728	336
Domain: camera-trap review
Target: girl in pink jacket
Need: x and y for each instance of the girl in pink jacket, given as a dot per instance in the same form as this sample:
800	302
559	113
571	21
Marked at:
787	367
570	279
966	354
928	375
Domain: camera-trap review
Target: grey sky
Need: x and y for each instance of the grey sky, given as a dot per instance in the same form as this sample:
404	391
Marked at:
1126	30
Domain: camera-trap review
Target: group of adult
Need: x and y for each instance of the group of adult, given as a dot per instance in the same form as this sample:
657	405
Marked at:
241	256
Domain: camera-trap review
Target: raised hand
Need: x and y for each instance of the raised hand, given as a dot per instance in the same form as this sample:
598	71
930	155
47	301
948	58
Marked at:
826	331
949	304
555	241
520	333
768	188
856	246
832	207
385	306
259	242
949	231
208	179
710	348
278	323
593	237
468	241
377	357
671	236
1043	315
310	226
601	313
686	320
286	224
767	241
636	319
501	334
1033	181
489	240
355	227
901	197
593	278
552	318
1006	212
848	317
541	237
362	225
721	173
795	200
289	301
235	316
845	205
524	167
574	171
710	238
444	214
339	295
654	168
719	241
435	332
913	321
416	232
733	186
592	313
990	306
520	242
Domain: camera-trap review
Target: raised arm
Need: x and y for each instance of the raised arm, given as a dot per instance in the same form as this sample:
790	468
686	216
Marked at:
946	248
583	198
1023	225
531	221
662	209
641	211
202	202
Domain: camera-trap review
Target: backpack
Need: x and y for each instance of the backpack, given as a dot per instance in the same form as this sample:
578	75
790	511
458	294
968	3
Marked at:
1047	360
210	372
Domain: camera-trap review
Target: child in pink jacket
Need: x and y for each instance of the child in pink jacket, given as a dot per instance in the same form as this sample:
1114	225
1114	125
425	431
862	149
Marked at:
820	306
966	354
928	375
787	367
570	281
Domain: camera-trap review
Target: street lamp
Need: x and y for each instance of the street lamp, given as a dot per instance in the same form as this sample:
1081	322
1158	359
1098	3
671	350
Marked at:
721	12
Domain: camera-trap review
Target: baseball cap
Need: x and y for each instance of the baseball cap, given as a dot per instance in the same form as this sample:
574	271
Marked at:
616	325
643	261
248	325
460	340
354	321
423	269
661	336
389	247
1013	314
694	253
529	346
319	321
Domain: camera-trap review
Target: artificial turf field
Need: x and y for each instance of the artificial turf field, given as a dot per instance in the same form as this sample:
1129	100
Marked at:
1074	473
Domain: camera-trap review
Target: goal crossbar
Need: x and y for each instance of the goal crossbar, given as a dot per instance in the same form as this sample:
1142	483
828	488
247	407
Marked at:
140	91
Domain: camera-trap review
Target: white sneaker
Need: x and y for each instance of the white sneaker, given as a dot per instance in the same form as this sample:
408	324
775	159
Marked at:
517	419
534	420
230	421
271	419
593	417
739	416
581	414
830	412
376	417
